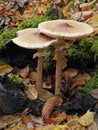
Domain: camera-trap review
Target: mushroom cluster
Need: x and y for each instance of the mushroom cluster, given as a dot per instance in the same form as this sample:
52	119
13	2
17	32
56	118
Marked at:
56	33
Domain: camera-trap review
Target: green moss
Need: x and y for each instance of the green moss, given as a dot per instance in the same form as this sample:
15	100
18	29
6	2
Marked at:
81	49
2	75
2	61
13	79
94	48
84	51
6	36
33	22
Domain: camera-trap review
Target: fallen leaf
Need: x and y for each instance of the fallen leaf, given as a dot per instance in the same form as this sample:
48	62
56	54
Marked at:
87	118
24	72
6	69
92	126
93	21
73	123
42	9
44	94
17	127
72	120
81	16
70	73
31	92
32	75
59	118
84	7
26	119
49	106
46	127
94	93
8	120
61	127
80	80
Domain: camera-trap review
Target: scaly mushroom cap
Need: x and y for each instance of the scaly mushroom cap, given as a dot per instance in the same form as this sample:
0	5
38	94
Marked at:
65	29
31	38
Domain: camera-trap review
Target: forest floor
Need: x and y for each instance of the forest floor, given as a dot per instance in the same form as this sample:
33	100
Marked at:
29	109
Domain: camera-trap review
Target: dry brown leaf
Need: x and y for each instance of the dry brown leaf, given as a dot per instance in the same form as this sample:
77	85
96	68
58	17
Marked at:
6	69
17	127
70	73
24	72
26	81
3	11
73	123
72	120
44	94
94	93
80	80
49	106
93	21
60	118
8	120
32	75
46	127
84	7
82	16
26	119
62	127
92	126
31	92
42	9
87	6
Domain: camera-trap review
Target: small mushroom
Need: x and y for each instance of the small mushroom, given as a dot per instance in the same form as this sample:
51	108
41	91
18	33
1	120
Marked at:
31	38
64	30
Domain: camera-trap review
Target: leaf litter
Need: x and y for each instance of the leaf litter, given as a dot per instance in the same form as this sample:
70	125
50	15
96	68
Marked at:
15	13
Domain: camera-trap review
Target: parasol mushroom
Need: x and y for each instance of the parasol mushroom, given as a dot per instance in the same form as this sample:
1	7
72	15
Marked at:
31	38
64	30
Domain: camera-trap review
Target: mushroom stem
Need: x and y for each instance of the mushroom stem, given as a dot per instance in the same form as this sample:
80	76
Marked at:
39	70
59	54
58	71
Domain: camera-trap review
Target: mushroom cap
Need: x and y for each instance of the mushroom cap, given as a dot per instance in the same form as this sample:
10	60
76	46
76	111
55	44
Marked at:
65	29
31	38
